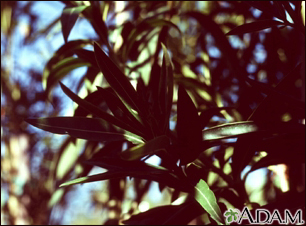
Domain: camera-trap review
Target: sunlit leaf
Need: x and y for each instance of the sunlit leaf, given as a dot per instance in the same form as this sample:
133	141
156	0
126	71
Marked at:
208	201
68	19
254	26
147	148
229	130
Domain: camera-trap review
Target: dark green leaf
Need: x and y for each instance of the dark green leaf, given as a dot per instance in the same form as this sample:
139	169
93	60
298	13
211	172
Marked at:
119	109
221	42
254	26
150	147
98	112
62	68
267	8
167	75
94	98
188	128
281	11
207	200
144	25
84	128
95	17
68	19
167	215
283	96
156	175
66	50
117	80
265	110
295	16
207	114
88	56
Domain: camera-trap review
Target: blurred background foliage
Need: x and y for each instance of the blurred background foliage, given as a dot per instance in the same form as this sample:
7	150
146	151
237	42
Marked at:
34	162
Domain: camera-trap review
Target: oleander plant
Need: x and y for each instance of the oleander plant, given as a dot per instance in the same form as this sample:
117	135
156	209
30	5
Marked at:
214	90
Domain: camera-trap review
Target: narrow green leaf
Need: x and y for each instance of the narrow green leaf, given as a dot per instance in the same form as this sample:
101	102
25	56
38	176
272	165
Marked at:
208	201
66	50
281	11
117	80
147	148
61	69
265	110
168	70
156	175
68	19
220	40
144	25
207	114
93	178
98	112
94	15
229	130
295	16
116	163
94	98
278	94
254	26
266	7
188	128
167	215
119	109
80	127
87	55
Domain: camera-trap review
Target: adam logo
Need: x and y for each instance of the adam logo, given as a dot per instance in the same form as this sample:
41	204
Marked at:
235	216
230	215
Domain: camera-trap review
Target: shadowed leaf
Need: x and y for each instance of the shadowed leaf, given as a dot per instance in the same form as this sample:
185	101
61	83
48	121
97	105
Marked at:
155	175
98	112
147	148
207	114
116	78
188	128
87	55
84	128
119	109
167	215
61	69
167	76
254	26
68	19
146	24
